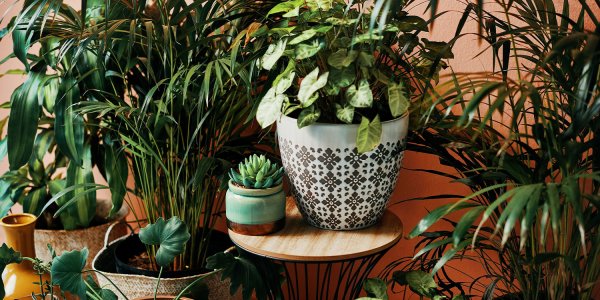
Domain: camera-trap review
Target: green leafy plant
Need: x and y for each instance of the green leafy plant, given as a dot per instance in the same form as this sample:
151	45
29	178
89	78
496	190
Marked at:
327	64
257	172
42	125
531	218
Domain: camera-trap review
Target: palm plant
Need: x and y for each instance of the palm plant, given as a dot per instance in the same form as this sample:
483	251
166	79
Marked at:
184	106
532	218
42	124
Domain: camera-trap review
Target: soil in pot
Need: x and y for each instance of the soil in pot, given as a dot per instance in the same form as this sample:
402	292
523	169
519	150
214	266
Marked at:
131	257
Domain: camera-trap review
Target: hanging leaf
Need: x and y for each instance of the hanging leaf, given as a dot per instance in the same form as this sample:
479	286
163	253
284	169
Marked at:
307	50
342	58
269	108
171	237
116	171
344	113
308	116
369	134
273	53
66	272
361	97
397	99
7	256
311	84
68	126
79	213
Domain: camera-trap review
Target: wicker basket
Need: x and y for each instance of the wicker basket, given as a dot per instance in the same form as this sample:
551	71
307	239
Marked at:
139	286
91	237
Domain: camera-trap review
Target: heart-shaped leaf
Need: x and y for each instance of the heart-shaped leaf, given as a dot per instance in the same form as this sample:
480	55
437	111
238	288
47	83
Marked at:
375	288
344	113
342	58
66	272
269	108
7	256
308	116
306	50
369	134
171	237
342	77
397	99
361	96
274	52
419	282
310	84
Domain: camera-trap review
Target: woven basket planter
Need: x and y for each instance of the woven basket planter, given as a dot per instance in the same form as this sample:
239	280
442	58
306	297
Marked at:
91	237
139	286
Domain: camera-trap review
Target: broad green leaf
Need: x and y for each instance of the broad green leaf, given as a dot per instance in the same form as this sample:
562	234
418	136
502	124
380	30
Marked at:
50	50
21	41
116	171
306	50
285	7
303	36
376	288
67	270
361	96
397	99
411	23
368	135
35	201
439	49
418	281
308	116
319	5
273	53
311	84
269	108
79	214
342	58
344	113
104	294
23	120
171	237
342	78
284	82
50	93
68	125
7	256
365	59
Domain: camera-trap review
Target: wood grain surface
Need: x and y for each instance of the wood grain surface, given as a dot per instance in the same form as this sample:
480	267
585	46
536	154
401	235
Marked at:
298	241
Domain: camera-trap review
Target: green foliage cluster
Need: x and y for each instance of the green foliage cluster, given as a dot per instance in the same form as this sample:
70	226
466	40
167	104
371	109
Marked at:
329	62
42	123
257	172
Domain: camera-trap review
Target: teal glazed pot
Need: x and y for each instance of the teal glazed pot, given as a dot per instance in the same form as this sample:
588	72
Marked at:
255	211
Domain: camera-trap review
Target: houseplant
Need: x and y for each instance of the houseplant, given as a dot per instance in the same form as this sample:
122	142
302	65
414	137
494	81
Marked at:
255	201
49	147
537	169
342	127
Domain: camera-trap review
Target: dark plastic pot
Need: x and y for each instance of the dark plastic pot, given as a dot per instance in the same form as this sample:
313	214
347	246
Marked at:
132	246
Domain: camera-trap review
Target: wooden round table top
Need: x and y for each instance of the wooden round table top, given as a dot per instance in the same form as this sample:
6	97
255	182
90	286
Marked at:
298	241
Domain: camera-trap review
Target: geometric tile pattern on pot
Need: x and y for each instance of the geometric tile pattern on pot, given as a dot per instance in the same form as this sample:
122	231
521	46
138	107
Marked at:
339	188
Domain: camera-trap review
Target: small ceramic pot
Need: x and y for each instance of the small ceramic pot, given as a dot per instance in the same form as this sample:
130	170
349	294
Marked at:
255	211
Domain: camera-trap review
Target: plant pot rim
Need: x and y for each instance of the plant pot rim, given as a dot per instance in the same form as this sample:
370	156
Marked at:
254	192
404	116
20	217
121	215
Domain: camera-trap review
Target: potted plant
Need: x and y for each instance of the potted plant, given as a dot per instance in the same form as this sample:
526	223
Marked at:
339	91
50	148
534	177
182	109
255	201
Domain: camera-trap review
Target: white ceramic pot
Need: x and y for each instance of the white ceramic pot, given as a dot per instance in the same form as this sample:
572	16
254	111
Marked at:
335	187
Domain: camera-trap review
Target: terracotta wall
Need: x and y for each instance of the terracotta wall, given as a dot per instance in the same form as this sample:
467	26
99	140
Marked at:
410	183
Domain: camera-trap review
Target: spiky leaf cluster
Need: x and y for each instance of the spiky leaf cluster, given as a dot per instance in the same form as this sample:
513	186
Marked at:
257	172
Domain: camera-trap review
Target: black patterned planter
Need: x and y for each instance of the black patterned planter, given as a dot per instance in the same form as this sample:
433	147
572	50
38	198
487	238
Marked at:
335	187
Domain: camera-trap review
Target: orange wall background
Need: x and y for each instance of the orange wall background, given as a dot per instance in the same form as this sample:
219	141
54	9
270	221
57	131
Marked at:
411	184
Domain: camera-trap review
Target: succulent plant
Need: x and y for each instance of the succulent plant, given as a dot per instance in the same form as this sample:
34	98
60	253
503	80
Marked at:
257	172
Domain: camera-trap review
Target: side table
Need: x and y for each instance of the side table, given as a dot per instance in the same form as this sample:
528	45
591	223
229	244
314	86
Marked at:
323	264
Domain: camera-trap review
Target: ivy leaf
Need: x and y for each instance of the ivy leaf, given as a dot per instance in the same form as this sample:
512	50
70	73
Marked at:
269	108
7	256
273	53
397	99
310	84
66	272
342	58
306	50
305	35
369	134
376	288
308	116
361	97
171	236
344	113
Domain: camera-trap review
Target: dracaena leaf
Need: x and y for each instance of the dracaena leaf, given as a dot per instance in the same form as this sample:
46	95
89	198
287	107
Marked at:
68	125
171	237
79	213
